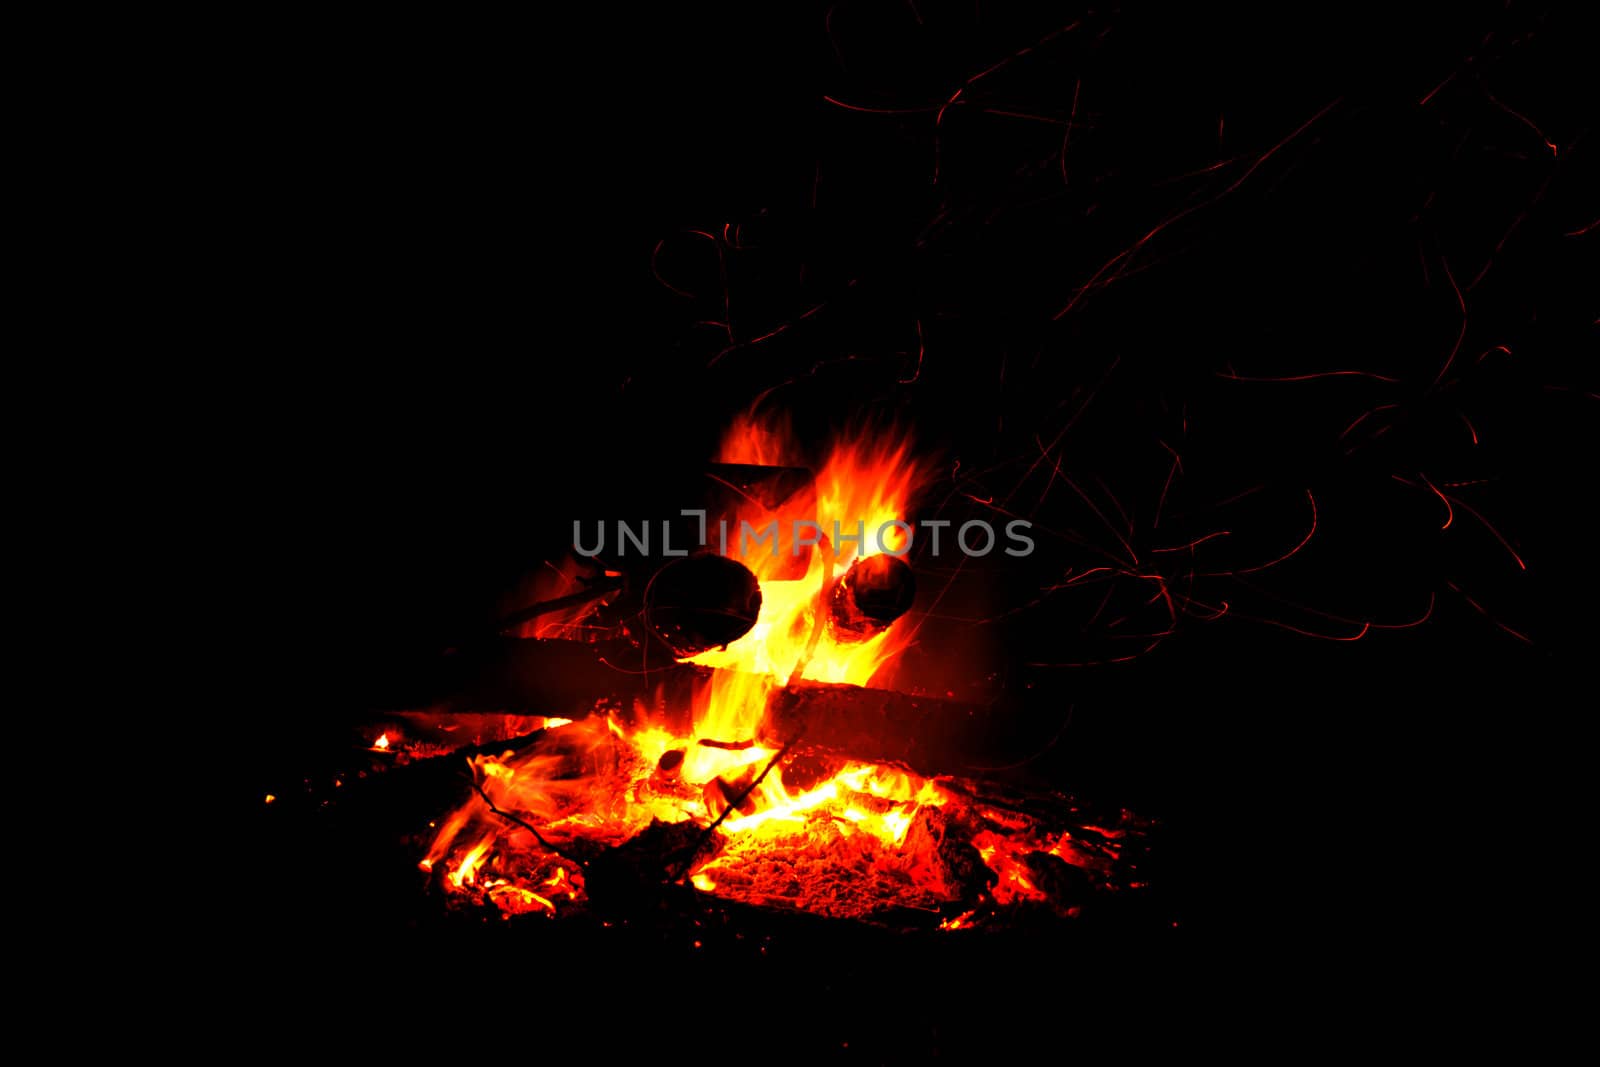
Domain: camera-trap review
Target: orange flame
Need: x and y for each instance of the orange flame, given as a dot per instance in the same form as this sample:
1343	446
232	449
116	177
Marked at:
865	483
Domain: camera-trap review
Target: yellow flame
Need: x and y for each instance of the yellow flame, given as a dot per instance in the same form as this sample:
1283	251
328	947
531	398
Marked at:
467	872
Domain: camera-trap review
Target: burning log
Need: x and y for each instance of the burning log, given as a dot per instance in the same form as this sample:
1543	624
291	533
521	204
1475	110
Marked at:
931	737
1062	884
722	794
566	678
948	844
701	602
873	593
632	878
572	679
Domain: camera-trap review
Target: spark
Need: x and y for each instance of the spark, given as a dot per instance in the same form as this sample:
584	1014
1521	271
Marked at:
1273	563
1462	336
1046	39
1192	544
1431	93
656	254
1177	465
1025	115
1066	135
1274	149
922	349
1359	634
1450	513
1311	377
1519	116
1484	612
1487	525
1121	511
1133	556
1129	252
1362	418
882	110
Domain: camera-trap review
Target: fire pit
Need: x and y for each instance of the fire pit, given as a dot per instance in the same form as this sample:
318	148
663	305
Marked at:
723	722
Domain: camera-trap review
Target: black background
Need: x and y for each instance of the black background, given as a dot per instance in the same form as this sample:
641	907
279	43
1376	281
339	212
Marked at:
445	295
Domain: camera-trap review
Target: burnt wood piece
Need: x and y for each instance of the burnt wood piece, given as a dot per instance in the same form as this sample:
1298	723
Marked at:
931	737
872	594
701	602
1064	884
569	679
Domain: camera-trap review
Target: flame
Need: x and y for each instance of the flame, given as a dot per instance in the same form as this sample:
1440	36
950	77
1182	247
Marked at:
382	743
865	483
862	485
768	443
466	871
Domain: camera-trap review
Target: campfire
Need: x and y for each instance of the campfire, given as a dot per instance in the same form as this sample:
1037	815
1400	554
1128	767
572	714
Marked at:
732	719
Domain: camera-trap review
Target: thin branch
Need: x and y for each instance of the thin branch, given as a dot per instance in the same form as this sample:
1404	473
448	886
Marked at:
732	805
537	836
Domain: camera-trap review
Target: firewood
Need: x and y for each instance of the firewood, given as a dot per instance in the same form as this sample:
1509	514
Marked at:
873	593
701	602
573	679
1060	881
931	737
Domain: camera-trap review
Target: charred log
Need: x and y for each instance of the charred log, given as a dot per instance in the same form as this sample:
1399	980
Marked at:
572	679
872	594
1064	884
569	679
959	864
931	737
632	878
701	602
